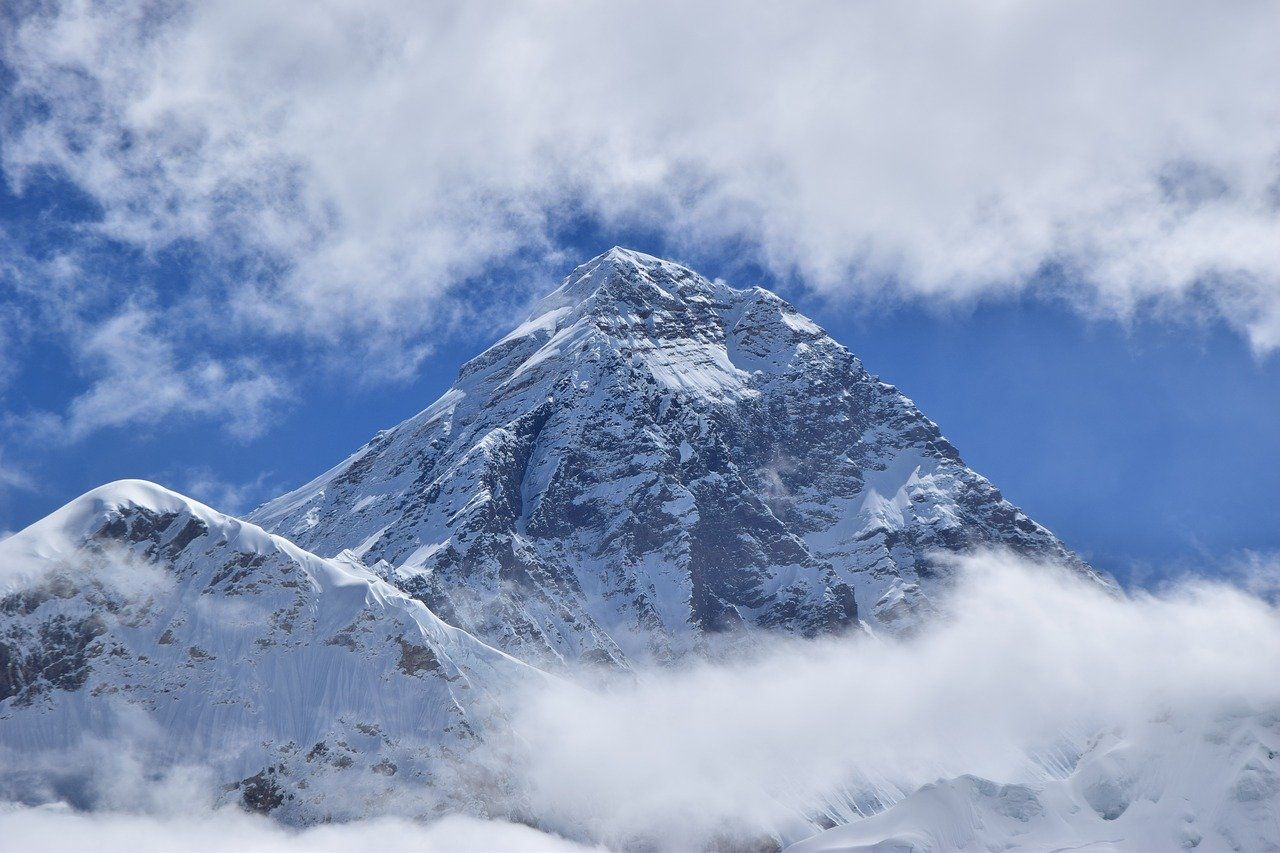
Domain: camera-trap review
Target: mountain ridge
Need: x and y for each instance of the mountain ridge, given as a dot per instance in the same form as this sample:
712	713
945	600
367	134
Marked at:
652	468
135	612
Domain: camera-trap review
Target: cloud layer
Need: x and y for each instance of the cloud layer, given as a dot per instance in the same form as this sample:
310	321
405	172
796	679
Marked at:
382	154
1032	666
1030	659
56	830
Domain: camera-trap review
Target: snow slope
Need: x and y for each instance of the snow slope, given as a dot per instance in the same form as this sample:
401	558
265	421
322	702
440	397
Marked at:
309	687
1204	784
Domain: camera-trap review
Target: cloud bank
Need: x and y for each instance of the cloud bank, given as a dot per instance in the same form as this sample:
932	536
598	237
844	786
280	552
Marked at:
54	830
140	378
375	158
1031	669
1031	658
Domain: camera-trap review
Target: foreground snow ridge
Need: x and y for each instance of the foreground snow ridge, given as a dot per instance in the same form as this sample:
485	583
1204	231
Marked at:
666	568
236	648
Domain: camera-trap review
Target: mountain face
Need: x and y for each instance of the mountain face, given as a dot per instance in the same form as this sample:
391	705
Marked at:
651	460
311	688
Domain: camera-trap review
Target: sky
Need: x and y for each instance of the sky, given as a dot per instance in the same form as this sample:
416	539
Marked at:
237	239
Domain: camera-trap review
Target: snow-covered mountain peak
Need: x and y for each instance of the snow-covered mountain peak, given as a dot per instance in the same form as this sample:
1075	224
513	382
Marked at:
114	496
650	320
628	277
653	465
63	531
630	296
653	458
135	512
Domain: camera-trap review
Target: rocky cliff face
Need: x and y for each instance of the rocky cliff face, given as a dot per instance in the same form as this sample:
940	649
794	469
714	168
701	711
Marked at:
653	460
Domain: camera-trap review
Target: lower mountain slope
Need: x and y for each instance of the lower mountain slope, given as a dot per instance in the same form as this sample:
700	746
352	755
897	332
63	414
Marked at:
1210	785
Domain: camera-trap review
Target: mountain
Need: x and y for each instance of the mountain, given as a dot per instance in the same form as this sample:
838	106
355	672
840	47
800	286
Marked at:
651	460
652	465
163	631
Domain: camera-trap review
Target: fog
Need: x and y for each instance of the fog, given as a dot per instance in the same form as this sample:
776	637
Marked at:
1030	658
59	829
1031	661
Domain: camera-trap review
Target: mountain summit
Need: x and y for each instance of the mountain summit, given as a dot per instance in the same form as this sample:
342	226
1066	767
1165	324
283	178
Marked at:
653	459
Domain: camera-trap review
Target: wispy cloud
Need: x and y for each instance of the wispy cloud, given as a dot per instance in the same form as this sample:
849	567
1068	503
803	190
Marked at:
139	376
385	154
233	498
12	477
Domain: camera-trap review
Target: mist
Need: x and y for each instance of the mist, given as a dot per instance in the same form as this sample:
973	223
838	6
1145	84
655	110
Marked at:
1031	660
1029	667
58	829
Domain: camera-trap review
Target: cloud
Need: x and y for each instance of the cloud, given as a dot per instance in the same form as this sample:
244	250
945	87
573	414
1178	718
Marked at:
140	377
11	477
203	484
384	155
36	558
1031	669
1258	572
59	829
1030	659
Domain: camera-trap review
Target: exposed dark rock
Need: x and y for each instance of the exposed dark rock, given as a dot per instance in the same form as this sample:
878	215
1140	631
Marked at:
198	654
415	659
56	657
261	792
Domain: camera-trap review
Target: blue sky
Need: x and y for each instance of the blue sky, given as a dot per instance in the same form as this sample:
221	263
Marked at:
224	266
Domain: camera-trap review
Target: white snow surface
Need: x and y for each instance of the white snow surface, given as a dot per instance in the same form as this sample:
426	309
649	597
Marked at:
1209	785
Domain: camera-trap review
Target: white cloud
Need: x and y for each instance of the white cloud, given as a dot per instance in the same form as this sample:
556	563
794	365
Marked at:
11	477
141	378
1032	665
387	151
56	830
204	484
1030	658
